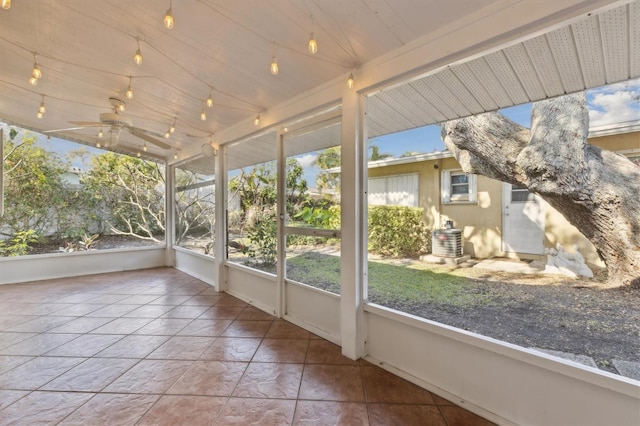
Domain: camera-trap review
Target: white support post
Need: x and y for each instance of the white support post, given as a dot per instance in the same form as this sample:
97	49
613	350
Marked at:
220	242
280	217
170	217
352	252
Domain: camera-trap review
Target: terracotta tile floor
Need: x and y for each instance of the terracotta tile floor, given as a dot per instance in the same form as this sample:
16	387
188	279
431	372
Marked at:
158	347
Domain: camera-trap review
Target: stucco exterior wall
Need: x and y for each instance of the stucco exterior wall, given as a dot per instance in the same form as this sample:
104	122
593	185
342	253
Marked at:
481	221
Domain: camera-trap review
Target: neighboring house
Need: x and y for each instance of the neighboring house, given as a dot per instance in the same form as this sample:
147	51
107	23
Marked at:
497	219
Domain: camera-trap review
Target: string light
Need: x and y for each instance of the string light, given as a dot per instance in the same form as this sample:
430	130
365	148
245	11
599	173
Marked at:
256	121
100	134
313	44
144	147
6	4
175	156
129	90
350	81
138	57
210	99
274	65
172	128
98	145
203	115
167	134
138	154
168	17
41	109
36	73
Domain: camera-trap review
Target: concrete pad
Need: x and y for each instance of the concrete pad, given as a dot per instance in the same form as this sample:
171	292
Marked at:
627	368
580	359
508	266
452	261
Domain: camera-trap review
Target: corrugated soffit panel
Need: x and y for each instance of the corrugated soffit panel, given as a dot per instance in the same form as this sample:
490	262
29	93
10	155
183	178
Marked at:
202	165
256	150
315	140
592	52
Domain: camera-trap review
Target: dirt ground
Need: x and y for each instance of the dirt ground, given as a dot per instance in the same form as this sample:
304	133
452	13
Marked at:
578	316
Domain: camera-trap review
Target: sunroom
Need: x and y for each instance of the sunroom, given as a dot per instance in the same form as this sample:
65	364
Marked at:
255	122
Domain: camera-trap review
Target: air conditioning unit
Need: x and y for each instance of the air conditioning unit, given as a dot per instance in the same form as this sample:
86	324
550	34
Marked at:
446	242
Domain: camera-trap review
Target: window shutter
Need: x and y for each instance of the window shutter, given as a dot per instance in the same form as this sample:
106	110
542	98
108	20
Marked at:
473	188
445	183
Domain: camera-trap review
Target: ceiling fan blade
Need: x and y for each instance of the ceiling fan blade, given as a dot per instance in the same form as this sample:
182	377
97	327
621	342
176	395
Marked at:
142	135
63	130
89	123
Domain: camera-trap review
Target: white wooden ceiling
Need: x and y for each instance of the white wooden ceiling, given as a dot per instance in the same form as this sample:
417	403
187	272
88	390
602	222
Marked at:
86	48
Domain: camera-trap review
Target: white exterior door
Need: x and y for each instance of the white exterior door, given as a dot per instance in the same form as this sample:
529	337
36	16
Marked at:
522	221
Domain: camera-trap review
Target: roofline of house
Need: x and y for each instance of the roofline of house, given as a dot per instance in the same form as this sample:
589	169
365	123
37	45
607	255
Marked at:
614	128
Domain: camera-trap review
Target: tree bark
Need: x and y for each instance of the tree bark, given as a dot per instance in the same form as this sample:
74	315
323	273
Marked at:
596	190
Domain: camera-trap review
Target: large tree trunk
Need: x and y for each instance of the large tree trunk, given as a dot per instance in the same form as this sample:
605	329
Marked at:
596	190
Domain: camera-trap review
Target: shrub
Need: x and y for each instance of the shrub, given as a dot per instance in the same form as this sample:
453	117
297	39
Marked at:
262	233
397	231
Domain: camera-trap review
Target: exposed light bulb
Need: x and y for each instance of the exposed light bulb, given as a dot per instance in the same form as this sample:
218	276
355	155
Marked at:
168	18
203	115
144	147
121	107
256	121
172	129
167	134
42	109
33	81
6	4
129	90
98	145
210	100
175	156
350	81
313	44
36	73
100	134
39	114
138	154
138	58
274	66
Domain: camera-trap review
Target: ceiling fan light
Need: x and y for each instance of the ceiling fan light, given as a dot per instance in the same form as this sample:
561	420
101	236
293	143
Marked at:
138	57
274	66
313	44
33	81
168	19
6	4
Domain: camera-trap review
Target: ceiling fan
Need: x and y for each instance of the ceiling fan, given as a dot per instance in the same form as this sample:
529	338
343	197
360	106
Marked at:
115	122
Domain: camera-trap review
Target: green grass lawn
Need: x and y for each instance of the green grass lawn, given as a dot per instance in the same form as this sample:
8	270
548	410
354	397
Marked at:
391	281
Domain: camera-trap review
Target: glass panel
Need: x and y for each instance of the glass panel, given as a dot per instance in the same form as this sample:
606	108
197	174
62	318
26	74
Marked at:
251	207
459	178
61	196
313	202
460	189
195	205
314	261
521	195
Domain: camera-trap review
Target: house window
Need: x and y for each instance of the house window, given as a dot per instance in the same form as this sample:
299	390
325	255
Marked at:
520	194
398	190
458	186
